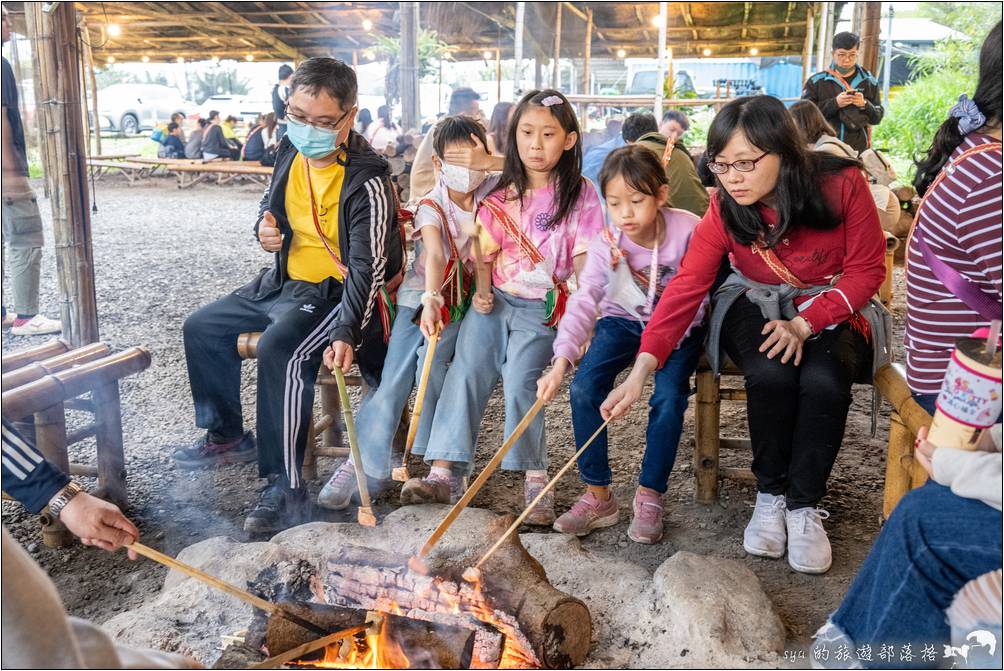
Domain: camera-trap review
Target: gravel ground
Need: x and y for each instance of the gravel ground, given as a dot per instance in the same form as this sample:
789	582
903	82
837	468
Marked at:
160	253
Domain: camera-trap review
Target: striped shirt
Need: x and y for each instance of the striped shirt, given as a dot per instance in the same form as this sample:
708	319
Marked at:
27	476
961	221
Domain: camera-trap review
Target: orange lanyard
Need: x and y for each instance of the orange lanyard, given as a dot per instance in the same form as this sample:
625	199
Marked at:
342	268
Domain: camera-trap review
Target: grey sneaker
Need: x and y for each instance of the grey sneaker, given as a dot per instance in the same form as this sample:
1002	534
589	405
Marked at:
808	546
433	488
338	490
765	534
543	513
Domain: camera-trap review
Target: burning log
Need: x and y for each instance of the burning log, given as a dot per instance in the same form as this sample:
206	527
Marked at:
519	619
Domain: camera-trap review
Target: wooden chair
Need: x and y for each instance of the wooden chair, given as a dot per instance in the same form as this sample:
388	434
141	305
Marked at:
191	174
329	425
42	383
902	472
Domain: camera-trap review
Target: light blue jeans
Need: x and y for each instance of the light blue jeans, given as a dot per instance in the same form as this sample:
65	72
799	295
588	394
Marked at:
380	412
511	342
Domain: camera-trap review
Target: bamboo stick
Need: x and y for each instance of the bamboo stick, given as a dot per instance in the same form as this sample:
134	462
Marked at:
365	514
537	499
307	648
401	473
481	479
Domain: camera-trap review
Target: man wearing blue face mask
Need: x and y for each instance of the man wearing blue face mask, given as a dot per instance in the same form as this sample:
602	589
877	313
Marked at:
330	219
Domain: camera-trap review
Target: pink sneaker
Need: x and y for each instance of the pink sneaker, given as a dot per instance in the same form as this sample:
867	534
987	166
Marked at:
646	526
588	513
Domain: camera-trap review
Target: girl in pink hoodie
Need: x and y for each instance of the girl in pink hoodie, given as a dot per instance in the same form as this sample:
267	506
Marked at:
626	269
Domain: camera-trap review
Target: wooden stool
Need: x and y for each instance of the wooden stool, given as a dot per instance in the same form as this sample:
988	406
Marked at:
43	387
329	425
708	440
902	471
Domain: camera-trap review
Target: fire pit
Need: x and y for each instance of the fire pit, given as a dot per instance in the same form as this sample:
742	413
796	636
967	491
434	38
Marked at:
512	618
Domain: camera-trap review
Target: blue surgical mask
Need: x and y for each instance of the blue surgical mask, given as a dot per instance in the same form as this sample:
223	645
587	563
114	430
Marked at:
311	141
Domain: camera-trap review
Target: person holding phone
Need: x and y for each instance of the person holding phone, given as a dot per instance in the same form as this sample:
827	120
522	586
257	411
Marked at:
847	94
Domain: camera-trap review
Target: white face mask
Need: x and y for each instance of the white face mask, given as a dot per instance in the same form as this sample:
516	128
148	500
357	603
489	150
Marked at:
462	179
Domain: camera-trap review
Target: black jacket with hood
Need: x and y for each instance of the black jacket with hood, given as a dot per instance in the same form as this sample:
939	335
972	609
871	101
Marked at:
369	239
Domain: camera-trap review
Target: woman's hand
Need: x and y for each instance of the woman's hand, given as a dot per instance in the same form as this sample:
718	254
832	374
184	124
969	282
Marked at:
924	451
431	321
787	337
483	304
550	382
474	156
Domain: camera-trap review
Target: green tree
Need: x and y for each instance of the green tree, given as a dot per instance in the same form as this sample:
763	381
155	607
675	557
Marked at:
913	115
431	50
217	80
975	19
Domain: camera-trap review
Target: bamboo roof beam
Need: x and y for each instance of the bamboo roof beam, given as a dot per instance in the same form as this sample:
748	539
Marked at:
280	46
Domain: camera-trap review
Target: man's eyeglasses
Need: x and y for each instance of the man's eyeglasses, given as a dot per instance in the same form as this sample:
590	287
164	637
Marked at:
333	127
743	165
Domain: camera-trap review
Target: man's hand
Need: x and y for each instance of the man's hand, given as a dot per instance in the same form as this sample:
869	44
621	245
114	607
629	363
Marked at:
859	99
268	234
338	355
787	337
845	98
97	522
432	320
550	382
483	304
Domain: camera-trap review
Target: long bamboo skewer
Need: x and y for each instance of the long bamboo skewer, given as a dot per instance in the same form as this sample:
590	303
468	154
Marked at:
365	514
401	472
213	581
536	500
479	482
307	648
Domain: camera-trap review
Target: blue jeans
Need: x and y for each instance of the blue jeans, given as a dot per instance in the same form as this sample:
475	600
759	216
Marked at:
513	342
381	410
926	401
933	543
613	348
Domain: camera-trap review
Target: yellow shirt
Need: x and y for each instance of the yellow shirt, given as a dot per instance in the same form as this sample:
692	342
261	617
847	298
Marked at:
309	261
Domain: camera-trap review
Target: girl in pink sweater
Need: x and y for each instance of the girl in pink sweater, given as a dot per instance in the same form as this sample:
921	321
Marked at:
622	280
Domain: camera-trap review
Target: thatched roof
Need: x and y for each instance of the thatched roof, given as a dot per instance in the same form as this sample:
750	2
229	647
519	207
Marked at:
164	31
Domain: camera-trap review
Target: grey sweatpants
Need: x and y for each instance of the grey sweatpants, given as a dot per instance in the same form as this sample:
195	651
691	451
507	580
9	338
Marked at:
22	241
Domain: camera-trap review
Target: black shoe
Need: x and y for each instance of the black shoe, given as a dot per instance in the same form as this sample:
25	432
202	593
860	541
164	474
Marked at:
278	508
207	451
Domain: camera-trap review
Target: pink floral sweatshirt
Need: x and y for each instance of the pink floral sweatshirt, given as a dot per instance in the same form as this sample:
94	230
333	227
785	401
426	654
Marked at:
598	293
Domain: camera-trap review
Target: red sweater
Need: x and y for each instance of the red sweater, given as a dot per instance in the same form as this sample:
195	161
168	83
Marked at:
855	249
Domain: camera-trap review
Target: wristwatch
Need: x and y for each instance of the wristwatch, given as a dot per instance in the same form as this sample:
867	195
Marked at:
63	497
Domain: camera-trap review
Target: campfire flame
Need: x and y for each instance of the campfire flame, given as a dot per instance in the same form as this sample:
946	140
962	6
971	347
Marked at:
377	650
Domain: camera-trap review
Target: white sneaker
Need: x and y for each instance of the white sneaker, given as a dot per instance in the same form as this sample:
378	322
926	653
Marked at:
808	547
38	325
765	534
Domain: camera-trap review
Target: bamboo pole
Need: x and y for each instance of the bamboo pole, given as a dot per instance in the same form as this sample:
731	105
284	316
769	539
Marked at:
871	20
810	31
660	82
556	59
401	473
365	514
518	46
55	38
409	65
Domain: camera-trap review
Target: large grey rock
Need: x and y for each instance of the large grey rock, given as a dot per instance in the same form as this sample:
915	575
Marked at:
694	612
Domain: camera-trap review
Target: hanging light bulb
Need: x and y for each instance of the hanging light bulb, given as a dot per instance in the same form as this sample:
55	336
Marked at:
706	52
656	22
215	60
110	60
249	58
114	30
145	59
487	55
754	51
621	53
367	25
181	59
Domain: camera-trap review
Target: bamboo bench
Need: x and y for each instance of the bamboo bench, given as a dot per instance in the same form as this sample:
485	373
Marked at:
41	383
132	170
902	472
190	174
329	425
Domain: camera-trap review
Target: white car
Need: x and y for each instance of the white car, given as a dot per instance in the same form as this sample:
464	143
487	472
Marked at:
133	108
245	108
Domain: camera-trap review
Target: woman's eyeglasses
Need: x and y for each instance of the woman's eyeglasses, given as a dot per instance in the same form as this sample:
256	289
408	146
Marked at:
333	127
744	165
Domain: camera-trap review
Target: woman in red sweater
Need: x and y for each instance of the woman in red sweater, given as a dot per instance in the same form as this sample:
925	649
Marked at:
802	235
